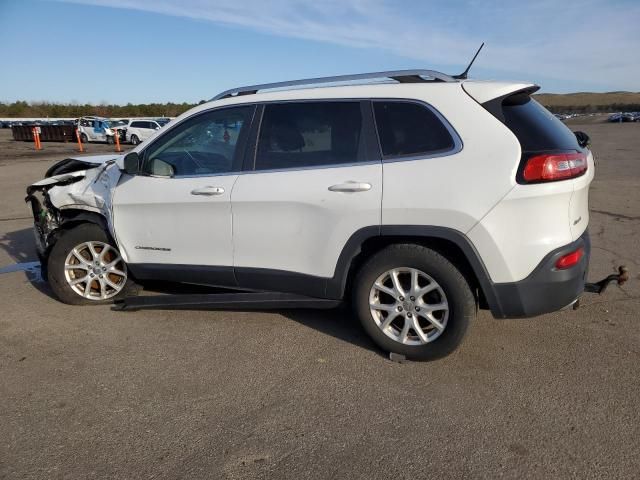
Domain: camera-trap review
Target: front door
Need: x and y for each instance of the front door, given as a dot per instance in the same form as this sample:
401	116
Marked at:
314	182
173	220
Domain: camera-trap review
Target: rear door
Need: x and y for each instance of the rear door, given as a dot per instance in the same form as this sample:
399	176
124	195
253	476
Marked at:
313	180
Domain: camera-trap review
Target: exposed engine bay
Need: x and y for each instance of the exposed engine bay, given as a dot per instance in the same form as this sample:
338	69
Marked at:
72	190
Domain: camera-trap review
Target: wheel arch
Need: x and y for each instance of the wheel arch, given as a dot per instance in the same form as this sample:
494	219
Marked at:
450	243
71	218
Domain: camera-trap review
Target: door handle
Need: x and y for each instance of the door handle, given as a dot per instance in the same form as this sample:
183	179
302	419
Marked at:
350	187
208	191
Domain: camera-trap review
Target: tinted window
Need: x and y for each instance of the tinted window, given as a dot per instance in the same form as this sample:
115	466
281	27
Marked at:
137	124
295	135
535	126
406	128
204	145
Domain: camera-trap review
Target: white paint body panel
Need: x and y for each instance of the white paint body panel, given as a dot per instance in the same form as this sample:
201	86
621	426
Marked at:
289	220
161	213
453	191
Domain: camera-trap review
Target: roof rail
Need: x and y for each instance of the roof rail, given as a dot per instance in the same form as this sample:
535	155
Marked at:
401	76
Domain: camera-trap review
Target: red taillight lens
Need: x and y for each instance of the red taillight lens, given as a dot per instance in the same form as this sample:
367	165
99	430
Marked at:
570	259
550	167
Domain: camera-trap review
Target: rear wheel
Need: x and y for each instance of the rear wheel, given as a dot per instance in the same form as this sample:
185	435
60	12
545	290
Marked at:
413	301
135	140
84	267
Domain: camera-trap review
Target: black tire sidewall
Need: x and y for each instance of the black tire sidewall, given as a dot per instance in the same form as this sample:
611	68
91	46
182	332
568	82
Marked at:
462	307
135	140
55	264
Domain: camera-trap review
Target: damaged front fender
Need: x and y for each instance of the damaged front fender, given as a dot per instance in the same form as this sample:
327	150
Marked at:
75	184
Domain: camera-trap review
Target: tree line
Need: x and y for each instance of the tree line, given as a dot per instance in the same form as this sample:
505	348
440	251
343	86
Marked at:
22	109
73	110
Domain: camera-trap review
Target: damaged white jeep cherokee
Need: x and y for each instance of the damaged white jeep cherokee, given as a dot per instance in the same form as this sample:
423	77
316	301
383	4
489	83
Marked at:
418	199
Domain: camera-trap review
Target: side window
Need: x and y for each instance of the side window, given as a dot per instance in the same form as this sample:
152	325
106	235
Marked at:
203	145
294	135
135	124
407	128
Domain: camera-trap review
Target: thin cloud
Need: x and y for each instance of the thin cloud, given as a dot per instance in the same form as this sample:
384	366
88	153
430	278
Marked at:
595	41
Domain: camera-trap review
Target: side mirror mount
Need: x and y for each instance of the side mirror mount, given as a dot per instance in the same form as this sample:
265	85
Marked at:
131	163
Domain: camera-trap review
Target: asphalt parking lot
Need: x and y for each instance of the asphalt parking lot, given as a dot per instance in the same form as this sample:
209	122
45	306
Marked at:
87	392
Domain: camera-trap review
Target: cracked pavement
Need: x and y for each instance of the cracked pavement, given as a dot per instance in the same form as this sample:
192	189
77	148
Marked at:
92	393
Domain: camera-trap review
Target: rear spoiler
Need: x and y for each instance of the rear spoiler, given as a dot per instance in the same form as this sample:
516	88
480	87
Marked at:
492	94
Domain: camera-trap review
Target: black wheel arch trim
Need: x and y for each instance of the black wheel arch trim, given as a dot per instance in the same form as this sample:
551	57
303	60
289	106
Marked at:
337	284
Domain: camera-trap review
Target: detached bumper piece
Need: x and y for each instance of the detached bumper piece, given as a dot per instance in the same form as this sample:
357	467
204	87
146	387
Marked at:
599	287
223	301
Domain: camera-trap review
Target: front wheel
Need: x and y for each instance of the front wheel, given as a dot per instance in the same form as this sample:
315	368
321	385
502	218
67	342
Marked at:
84	267
135	140
413	301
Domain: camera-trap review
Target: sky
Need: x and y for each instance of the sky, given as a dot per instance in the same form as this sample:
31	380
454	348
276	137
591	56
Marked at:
139	51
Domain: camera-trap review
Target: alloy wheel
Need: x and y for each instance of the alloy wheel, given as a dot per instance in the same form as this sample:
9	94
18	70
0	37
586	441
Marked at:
95	270
409	306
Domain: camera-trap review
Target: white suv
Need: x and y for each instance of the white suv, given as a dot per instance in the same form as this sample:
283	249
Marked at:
140	130
418	199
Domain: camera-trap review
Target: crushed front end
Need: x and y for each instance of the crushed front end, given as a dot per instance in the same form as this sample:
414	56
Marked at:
70	190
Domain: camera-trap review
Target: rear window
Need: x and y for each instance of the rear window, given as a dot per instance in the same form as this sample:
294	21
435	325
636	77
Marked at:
407	128
536	127
309	134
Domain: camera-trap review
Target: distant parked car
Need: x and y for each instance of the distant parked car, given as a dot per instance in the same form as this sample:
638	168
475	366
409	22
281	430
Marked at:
139	130
93	129
622	117
119	126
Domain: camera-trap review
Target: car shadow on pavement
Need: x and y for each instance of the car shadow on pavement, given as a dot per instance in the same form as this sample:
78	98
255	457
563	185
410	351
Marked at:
20	246
339	323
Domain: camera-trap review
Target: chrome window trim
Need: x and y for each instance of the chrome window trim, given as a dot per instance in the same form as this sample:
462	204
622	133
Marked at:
458	145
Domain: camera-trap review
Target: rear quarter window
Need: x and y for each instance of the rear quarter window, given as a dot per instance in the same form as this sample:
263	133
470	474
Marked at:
410	129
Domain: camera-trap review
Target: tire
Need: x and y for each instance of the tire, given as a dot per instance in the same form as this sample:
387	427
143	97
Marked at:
135	140
443	329
99	291
84	138
111	140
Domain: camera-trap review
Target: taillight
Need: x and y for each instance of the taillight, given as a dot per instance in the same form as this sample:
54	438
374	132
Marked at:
570	259
550	167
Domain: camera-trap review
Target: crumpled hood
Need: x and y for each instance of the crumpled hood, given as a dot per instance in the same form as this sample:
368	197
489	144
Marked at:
73	164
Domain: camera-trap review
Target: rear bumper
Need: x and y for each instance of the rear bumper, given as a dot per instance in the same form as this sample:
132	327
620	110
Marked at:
546	289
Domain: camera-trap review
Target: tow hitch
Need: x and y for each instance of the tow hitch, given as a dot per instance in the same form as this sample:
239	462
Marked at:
600	287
